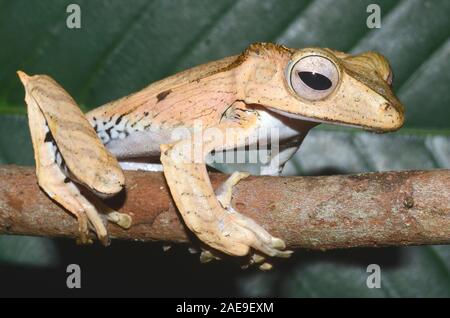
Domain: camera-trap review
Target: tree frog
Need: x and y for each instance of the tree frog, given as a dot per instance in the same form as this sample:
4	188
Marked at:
82	156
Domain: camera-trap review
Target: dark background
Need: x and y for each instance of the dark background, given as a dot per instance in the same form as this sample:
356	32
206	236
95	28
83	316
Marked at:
124	45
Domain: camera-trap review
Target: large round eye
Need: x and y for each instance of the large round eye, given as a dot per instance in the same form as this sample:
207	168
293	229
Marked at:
313	77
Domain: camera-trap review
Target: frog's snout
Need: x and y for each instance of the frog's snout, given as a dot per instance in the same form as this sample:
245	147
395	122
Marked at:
372	73
392	110
392	114
389	109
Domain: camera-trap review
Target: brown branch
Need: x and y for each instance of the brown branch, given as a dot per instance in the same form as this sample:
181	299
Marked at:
377	209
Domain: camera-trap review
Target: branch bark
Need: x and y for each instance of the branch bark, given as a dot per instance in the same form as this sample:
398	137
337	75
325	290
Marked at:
375	209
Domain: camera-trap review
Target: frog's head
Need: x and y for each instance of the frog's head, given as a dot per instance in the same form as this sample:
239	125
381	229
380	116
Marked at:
322	85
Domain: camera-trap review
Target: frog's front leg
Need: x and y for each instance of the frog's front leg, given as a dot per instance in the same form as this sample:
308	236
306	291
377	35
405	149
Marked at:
70	157
277	161
225	192
185	171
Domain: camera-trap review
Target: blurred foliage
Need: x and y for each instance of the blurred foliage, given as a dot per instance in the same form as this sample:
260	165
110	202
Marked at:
23	250
124	45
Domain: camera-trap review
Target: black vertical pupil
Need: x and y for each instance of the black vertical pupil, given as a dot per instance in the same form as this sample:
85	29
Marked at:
315	80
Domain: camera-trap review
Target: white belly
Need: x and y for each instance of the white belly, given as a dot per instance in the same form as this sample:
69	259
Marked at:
273	128
138	144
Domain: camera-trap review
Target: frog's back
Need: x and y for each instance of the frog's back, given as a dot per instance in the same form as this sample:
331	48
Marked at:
149	96
138	123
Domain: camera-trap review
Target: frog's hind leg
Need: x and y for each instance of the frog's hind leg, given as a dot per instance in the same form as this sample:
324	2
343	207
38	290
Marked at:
68	153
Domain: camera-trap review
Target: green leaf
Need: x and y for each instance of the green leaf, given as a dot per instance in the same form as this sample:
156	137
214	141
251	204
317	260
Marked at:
28	251
123	46
15	140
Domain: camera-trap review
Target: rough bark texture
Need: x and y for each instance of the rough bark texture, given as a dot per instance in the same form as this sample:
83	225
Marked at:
377	209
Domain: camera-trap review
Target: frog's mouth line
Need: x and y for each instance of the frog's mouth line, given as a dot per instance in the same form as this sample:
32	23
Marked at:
325	121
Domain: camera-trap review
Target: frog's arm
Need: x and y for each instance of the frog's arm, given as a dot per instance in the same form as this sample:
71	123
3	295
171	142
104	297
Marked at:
186	175
55	119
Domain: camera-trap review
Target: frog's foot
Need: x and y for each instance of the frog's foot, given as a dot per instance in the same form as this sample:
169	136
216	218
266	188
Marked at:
207	255
109	215
235	233
256	259
68	194
90	213
121	219
262	244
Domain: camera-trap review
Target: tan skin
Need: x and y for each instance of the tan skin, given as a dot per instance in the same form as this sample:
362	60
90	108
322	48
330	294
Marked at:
266	86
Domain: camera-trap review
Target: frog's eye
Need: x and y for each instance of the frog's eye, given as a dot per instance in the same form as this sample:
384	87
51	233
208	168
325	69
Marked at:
313	77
